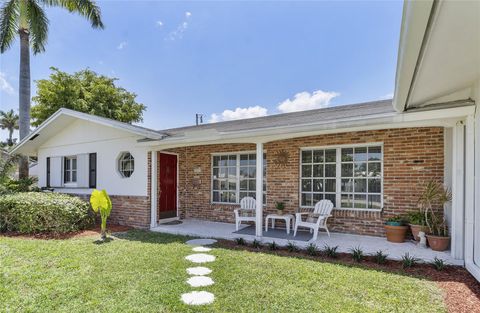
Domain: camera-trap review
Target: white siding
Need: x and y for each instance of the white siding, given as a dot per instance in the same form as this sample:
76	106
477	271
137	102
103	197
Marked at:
81	138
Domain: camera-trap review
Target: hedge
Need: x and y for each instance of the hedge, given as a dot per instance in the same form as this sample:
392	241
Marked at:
41	212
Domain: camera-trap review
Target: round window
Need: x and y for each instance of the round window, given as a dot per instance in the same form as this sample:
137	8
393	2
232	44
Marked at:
126	164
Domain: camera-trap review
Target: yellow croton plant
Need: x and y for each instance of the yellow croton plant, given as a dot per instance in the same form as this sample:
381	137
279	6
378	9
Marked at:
101	202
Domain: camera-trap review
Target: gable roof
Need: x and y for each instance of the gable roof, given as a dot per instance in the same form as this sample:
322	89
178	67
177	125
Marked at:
64	117
316	116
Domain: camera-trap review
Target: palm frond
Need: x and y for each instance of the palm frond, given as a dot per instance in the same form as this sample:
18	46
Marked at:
38	26
86	8
9	14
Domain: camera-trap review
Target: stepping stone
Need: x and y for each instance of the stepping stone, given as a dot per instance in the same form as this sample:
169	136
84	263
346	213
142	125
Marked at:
198	271
201	242
198	298
200	281
201	249
200	258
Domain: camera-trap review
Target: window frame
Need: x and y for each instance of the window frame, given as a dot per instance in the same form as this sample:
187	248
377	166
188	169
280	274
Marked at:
338	174
120	160
237	181
70	182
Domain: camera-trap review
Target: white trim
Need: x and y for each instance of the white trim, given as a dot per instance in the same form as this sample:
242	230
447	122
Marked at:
168	220
117	164
259	192
153	189
434	118
91	118
237	167
233	152
469	219
355	145
458	185
414	24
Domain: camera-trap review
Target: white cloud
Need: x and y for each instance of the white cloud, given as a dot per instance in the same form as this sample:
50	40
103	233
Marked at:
387	96
159	23
181	29
239	113
307	101
5	85
122	45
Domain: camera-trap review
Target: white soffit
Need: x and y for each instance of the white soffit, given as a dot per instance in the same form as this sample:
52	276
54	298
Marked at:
450	62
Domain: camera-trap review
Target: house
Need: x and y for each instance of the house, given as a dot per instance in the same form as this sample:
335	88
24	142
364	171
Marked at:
369	159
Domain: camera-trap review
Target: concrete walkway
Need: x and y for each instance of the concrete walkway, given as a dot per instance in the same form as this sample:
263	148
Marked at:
345	242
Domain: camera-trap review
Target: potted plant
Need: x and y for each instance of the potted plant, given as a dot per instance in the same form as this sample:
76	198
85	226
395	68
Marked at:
396	229
280	206
417	223
432	200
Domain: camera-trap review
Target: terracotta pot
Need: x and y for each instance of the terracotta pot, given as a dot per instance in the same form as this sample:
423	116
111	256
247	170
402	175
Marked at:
416	229
438	243
396	233
280	212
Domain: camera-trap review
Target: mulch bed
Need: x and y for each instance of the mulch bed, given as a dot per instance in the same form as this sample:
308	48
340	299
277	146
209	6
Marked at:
81	233
461	291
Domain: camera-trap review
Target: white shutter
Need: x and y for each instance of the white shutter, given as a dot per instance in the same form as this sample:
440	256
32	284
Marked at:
82	170
56	169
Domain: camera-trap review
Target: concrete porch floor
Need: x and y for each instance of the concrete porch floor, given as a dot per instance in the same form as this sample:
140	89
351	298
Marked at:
369	244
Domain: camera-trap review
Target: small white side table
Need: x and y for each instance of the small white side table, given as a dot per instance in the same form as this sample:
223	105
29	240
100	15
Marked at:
286	217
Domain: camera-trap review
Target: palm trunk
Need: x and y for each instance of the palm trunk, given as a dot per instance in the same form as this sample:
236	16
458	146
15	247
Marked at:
10	137
24	98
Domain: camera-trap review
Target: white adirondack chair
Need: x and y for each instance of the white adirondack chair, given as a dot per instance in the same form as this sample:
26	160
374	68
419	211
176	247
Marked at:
246	213
316	220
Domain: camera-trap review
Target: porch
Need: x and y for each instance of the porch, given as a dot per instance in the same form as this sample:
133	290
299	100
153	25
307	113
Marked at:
369	244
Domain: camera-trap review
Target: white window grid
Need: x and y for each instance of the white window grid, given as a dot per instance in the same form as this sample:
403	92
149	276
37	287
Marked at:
234	177
336	195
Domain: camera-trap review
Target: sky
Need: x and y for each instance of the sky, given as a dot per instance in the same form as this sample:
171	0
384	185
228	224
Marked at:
225	59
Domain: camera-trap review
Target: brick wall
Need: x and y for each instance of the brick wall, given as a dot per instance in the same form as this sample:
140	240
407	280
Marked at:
411	156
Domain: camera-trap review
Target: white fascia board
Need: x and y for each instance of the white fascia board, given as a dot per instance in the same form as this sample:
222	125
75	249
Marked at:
114	124
414	24
439	118
94	119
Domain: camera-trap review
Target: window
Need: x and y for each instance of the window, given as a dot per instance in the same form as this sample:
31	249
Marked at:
126	164
234	177
318	176
70	170
351	177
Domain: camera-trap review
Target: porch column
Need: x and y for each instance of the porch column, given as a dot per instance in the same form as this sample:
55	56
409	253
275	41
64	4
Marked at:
458	187
470	185
153	189
259	192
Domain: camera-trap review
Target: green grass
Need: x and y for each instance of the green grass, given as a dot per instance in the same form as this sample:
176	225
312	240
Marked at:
145	272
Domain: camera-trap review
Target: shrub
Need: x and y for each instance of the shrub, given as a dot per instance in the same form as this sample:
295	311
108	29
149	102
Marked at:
256	244
438	264
312	249
22	185
357	254
291	247
380	257
38	212
240	241
408	260
273	246
331	252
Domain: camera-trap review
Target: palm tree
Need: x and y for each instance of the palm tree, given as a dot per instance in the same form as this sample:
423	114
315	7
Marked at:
9	121
27	19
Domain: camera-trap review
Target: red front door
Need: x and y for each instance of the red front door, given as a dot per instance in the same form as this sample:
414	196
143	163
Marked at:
167	186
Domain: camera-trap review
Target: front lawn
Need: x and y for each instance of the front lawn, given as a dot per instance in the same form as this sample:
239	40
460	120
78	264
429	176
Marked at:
146	272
